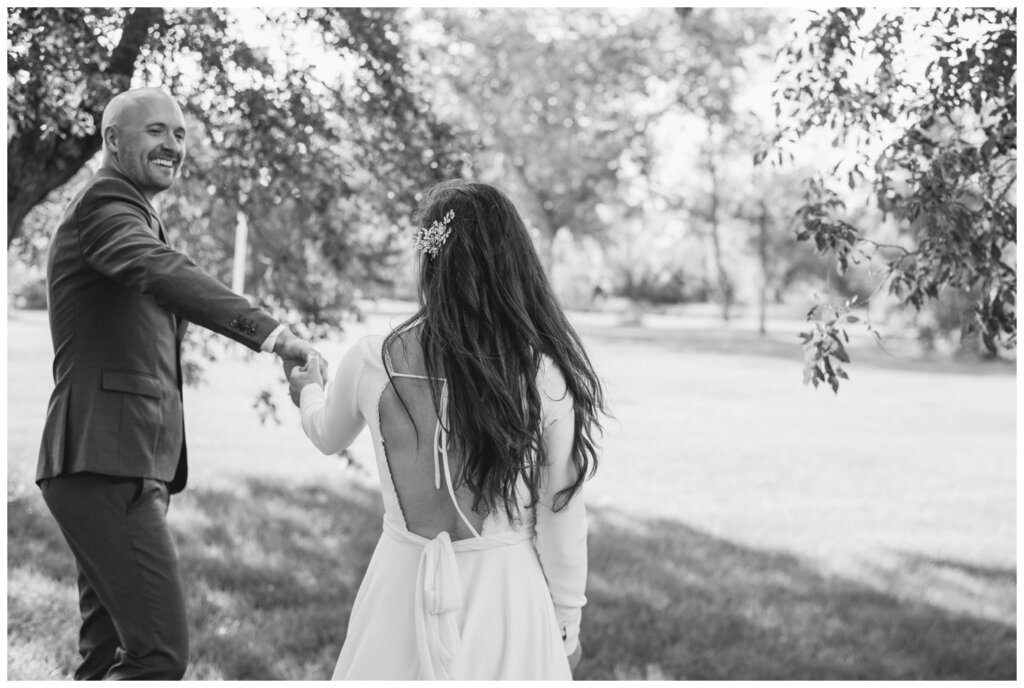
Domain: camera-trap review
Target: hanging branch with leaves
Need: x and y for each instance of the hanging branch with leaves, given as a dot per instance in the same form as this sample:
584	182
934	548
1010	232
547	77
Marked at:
946	173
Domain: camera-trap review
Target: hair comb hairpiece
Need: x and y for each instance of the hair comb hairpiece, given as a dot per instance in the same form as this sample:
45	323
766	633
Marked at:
431	239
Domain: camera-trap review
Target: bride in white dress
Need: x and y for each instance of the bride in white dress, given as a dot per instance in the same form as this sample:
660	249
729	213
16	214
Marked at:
482	408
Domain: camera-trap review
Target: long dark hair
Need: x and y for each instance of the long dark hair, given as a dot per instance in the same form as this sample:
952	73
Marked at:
487	314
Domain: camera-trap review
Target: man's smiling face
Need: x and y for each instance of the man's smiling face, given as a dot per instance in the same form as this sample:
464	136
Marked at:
149	142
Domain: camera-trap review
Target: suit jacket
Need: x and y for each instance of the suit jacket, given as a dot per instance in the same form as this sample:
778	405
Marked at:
119	302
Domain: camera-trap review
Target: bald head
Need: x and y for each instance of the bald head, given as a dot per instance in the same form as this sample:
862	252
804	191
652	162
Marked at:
144	137
123	109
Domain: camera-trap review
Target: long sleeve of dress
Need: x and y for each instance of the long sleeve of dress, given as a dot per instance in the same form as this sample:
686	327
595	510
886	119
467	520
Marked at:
561	535
331	417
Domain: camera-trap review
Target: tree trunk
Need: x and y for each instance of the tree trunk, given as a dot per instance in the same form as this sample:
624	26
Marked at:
762	252
37	162
36	166
721	276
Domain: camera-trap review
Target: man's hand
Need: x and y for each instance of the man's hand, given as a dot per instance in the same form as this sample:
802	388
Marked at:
295	352
290	346
575	657
309	374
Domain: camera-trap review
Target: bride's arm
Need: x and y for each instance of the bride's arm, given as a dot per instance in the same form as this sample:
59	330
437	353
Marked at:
331	417
562	535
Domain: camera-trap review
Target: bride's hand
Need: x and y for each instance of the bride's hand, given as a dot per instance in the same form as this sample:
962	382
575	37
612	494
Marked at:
309	374
575	657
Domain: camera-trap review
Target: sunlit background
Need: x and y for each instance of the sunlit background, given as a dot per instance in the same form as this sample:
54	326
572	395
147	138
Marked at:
683	173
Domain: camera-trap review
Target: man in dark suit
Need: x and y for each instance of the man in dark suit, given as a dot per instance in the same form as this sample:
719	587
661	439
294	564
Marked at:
113	448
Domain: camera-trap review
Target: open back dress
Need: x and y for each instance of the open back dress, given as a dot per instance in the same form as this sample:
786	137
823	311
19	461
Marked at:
449	594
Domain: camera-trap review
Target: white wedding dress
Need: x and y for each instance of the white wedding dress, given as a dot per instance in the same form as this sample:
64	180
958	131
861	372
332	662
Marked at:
449	595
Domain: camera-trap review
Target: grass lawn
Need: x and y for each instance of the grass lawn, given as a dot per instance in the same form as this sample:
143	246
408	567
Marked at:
743	526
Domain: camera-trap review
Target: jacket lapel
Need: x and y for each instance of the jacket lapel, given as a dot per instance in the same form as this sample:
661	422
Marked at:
161	232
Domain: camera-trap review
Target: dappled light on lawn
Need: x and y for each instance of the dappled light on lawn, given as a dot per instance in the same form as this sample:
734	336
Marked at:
743	526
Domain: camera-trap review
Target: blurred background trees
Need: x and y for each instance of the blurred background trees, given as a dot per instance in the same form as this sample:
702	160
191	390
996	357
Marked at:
551	100
743	163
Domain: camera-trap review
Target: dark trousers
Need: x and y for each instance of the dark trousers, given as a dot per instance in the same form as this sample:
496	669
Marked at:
130	591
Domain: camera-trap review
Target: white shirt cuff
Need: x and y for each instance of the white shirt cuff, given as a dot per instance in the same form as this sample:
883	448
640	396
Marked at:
271	340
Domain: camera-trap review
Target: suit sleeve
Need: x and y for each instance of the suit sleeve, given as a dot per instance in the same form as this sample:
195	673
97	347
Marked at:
116	241
561	535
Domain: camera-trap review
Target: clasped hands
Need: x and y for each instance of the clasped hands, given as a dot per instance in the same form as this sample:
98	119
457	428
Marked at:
303	365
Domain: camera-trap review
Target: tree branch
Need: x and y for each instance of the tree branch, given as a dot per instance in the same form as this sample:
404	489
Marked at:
38	164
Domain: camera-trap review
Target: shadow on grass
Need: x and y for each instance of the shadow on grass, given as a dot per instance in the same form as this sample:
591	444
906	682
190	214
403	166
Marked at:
667	601
271	570
996	575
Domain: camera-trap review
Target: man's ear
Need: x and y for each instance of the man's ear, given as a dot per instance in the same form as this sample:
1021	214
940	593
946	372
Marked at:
110	138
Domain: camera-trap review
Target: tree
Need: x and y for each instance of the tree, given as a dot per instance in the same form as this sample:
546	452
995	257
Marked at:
767	205
325	171
62	69
549	98
935	145
712	212
266	119
326	182
706	61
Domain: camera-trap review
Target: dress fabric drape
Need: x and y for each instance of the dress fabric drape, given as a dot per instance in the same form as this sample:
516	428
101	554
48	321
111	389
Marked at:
486	607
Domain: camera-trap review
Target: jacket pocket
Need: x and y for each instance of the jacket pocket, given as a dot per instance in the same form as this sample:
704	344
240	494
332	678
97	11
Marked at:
129	412
131	383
